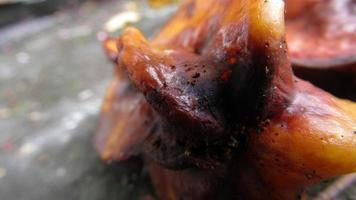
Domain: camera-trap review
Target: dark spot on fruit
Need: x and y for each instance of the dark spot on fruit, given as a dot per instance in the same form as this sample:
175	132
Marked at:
196	75
157	143
189	69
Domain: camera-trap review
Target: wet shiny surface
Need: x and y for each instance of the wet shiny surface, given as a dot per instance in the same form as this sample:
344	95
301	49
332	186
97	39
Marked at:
185	142
52	79
194	78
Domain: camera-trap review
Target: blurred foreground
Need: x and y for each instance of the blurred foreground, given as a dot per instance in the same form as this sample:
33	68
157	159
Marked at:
53	73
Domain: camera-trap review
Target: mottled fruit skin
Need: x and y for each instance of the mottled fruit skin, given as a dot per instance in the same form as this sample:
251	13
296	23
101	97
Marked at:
322	43
323	33
218	113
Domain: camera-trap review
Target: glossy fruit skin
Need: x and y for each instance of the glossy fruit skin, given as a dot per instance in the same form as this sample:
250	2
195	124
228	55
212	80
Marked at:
303	145
227	118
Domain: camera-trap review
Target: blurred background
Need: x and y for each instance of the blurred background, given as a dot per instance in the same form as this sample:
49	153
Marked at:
53	73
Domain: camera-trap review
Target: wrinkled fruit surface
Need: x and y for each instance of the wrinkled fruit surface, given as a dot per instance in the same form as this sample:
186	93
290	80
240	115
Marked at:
213	106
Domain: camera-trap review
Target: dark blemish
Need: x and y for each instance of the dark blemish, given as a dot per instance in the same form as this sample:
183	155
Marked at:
189	69
173	67
355	132
165	84
204	71
157	143
185	65
196	75
276	134
192	83
203	66
273	141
